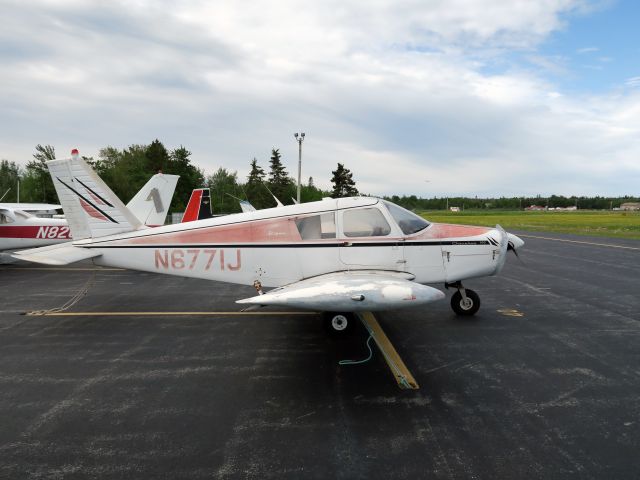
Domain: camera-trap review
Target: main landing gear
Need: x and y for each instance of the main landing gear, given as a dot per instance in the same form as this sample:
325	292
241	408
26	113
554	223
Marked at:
464	302
339	323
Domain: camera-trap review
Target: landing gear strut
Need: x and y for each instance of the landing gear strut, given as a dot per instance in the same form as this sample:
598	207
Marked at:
464	302
339	323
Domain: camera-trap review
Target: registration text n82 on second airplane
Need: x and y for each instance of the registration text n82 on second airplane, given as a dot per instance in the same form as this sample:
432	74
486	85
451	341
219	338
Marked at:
339	255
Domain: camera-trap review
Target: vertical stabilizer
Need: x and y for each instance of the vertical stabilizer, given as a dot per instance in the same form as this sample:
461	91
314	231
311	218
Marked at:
151	204
199	206
90	207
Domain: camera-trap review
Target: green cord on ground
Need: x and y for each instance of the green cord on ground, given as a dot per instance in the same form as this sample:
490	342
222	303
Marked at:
357	362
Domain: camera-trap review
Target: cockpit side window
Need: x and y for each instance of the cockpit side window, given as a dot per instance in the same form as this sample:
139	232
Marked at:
317	227
408	221
365	222
4	219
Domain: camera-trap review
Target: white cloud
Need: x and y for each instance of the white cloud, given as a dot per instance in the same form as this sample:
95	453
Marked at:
398	91
633	82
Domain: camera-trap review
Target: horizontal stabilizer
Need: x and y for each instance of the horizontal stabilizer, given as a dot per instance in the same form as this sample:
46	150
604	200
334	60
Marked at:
59	254
369	290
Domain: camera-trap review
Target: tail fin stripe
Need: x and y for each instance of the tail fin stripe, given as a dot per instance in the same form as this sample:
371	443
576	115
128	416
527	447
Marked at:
89	202
94	193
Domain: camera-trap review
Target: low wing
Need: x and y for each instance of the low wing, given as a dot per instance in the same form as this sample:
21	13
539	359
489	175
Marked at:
369	290
59	254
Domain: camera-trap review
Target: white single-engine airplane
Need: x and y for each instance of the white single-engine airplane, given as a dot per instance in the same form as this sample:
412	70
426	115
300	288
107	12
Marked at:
336	255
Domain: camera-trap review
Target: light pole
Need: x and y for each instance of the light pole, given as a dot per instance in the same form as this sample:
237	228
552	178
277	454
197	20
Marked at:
299	138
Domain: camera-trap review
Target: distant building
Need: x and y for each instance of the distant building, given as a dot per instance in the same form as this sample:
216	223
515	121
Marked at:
563	209
630	206
535	208
454	209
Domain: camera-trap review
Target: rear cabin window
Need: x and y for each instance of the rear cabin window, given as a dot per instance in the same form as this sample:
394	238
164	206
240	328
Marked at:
317	227
365	222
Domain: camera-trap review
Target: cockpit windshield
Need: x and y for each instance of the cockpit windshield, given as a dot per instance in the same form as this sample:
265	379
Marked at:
408	221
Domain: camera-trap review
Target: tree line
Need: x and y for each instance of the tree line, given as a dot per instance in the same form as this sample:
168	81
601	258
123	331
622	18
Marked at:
126	171
412	202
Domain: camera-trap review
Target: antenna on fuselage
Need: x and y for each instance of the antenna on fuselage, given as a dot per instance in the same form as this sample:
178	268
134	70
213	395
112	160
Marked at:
245	205
274	197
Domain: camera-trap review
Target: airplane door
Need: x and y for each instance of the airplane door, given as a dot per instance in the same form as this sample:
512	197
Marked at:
366	242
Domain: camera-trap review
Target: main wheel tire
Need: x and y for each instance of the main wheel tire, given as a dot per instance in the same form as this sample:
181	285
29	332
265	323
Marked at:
468	308
339	323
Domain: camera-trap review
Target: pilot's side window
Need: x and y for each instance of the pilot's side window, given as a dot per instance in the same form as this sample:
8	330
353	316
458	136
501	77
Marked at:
5	219
365	222
317	227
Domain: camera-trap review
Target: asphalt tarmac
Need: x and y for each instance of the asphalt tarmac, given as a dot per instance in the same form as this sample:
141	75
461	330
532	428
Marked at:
543	383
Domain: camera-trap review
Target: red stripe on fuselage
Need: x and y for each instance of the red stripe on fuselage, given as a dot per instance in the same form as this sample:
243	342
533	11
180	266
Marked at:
284	230
35	231
260	231
445	230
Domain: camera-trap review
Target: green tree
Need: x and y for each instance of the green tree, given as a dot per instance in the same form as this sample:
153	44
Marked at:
343	183
9	178
224	188
190	177
279	181
254	188
126	171
157	156
46	192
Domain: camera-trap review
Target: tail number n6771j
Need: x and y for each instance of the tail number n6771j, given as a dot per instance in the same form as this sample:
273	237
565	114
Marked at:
190	258
53	231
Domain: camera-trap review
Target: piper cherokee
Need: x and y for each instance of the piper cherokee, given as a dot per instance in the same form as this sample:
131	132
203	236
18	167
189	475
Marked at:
338	256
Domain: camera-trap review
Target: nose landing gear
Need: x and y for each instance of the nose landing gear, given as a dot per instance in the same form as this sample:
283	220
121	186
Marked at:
464	302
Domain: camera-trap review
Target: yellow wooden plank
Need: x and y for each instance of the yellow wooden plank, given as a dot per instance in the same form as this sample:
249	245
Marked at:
399	370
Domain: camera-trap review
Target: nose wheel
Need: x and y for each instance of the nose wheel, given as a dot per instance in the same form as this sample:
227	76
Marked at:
464	302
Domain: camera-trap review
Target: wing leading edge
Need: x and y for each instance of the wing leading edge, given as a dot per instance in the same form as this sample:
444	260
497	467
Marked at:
369	290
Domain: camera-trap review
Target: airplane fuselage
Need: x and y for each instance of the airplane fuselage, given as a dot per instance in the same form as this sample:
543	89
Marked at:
31	232
283	245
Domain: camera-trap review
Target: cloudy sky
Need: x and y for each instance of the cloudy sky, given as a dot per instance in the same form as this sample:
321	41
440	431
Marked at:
426	97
